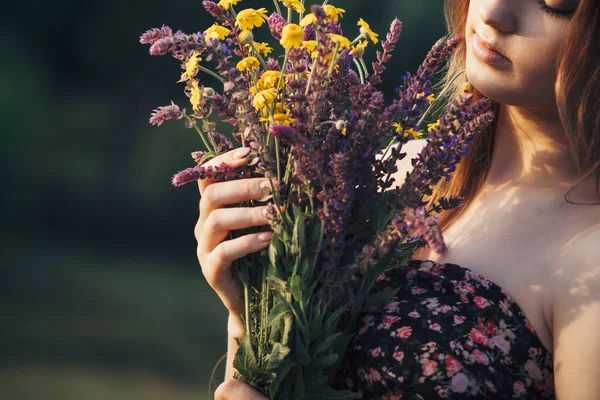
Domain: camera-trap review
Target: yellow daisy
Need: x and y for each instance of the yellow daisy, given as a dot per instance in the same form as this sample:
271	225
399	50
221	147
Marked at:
195	95
365	31
308	19
291	36
217	32
333	12
296	5
264	98
248	63
191	66
250	18
343	41
225	4
262	47
359	50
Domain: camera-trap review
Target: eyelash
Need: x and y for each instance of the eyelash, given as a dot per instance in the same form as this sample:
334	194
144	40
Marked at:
554	12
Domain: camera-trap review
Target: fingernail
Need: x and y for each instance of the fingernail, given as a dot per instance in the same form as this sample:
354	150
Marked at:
265	212
265	236
265	187
241	153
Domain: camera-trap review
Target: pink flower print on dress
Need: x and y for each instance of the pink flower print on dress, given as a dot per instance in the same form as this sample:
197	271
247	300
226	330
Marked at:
376	351
460	382
533	351
480	357
392	307
417	291
501	343
479	338
404	332
534	371
519	387
435	327
414	314
388	320
481	302
398	355
458	320
452	365
429	368
374	375
491	386
505	307
445	308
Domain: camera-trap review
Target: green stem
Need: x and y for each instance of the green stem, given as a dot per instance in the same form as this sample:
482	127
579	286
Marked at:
260	57
206	143
247	310
360	71
277	158
211	73
277	7
334	61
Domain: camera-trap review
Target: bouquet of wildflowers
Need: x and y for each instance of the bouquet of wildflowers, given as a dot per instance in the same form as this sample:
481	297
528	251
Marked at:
320	129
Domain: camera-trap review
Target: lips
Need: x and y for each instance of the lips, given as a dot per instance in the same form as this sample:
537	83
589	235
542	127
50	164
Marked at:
486	52
489	45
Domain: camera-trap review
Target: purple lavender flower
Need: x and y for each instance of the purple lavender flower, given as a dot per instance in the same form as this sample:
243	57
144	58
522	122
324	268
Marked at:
155	34
276	23
165	113
219	173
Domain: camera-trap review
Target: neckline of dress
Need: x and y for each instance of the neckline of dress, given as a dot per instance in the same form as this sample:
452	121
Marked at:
518	309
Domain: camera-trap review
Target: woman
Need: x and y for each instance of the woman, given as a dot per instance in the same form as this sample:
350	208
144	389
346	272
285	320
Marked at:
531	327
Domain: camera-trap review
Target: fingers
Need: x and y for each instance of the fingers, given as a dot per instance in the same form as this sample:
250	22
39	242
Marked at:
222	220
234	389
217	267
233	158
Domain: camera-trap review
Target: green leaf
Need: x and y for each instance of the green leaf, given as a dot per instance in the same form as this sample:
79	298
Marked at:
332	320
282	375
325	361
245	359
277	312
299	388
380	298
277	356
326	344
301	355
296	287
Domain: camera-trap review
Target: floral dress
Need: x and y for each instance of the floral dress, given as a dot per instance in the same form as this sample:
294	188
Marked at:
449	333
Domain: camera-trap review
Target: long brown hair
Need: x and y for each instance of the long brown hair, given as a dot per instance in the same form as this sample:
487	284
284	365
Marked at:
578	99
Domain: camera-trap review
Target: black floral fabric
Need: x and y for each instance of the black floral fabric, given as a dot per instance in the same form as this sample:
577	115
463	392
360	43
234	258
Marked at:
449	333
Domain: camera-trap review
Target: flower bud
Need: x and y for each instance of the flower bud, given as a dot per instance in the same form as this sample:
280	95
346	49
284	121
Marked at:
246	37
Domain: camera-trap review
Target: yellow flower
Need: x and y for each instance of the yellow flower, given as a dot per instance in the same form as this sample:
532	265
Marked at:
333	13
467	88
246	37
216	32
191	66
411	132
249	18
308	19
291	36
248	63
433	126
343	41
262	47
264	98
267	80
407	132
295	4
309	45
195	95
431	98
365	31
280	116
359	50
225	4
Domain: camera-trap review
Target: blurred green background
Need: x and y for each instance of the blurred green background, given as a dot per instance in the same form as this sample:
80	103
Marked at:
101	296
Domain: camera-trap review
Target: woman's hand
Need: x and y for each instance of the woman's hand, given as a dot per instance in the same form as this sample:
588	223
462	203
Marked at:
234	389
216	254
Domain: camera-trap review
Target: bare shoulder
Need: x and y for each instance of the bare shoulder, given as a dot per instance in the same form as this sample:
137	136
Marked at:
576	320
412	150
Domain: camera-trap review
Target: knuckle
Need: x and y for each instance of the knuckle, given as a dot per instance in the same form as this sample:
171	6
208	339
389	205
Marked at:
226	388
212	221
209	194
198	231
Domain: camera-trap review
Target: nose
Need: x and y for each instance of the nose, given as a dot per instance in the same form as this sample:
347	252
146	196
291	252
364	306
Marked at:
498	13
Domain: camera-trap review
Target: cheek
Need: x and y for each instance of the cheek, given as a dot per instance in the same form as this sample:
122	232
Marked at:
528	82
